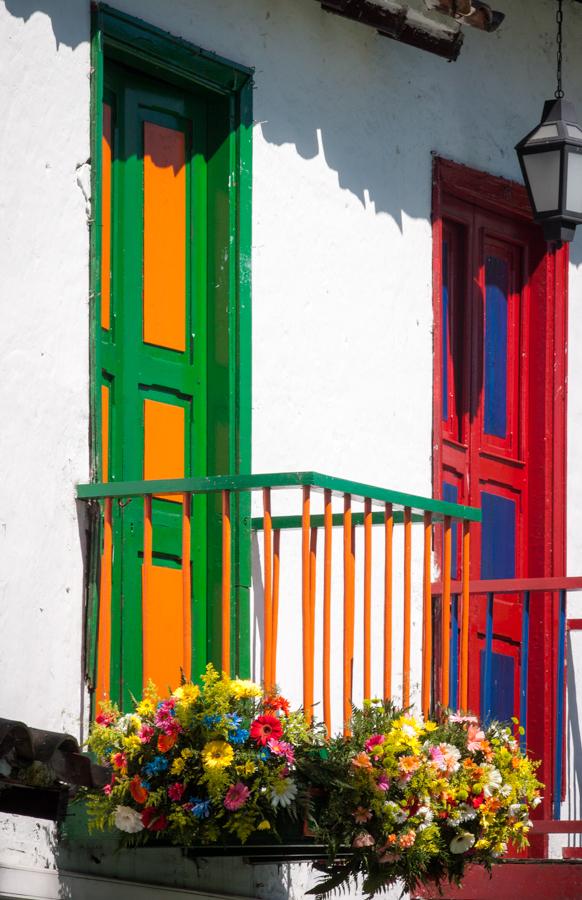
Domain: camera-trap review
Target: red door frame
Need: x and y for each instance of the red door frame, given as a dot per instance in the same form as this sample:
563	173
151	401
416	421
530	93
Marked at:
547	454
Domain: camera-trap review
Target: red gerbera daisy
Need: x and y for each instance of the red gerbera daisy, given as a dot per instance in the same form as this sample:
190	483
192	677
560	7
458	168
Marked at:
265	728
153	819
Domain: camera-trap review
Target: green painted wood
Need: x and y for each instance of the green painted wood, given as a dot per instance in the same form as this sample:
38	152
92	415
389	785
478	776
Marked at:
181	83
285	523
338	486
162	54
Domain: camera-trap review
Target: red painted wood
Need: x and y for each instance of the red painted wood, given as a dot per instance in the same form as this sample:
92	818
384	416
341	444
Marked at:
563	826
574	624
511	585
531	879
462	198
572	852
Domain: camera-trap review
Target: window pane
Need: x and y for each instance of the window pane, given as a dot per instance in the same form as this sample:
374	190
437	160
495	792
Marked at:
543	172
496	290
497	536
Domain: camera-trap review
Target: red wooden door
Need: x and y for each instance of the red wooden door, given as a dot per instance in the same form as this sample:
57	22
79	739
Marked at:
485	299
494	378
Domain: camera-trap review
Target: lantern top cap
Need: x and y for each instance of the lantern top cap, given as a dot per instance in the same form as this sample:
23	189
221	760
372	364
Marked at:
559	110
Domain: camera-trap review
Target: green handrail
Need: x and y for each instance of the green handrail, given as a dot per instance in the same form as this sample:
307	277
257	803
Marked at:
242	483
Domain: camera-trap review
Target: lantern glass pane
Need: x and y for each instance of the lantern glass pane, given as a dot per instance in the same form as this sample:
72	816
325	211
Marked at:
574	131
543	174
574	185
544	133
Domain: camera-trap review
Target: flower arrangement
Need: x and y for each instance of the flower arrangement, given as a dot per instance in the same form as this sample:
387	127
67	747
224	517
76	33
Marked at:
203	765
399	800
417	801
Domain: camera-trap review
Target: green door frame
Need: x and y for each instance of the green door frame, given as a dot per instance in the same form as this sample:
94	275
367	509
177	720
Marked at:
144	47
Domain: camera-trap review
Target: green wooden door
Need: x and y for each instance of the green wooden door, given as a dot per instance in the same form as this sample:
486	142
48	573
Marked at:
154	338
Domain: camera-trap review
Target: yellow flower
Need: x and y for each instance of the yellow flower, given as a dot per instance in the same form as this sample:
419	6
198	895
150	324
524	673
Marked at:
243	689
132	744
217	755
264	825
187	753
187	693
248	768
177	766
146	707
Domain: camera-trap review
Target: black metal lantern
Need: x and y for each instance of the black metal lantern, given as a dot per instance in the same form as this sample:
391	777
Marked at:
550	157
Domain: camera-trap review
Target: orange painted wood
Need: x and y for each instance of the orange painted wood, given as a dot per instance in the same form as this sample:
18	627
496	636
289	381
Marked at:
312	597
276	580
163	651
426	617
187	584
268	590
388	535
349	602
305	604
149	636
103	674
446	614
164	249
164	443
226	581
407	606
106	147
105	432
367	598
466	599
328	529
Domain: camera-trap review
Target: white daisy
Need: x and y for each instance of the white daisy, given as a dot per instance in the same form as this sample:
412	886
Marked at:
127	819
283	792
493	781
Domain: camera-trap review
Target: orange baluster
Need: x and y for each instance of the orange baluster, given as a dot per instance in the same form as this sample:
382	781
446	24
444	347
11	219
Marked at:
349	598
407	606
276	574
312	593
388	534
306	604
103	675
367	597
426	617
226	581
268	583
149	639
187	583
446	615
464	685
328	521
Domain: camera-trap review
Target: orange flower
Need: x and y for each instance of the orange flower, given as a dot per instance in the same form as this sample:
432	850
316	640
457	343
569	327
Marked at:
408	764
166	742
362	761
137	790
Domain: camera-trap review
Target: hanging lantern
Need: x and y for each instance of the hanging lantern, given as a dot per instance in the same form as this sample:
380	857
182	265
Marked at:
550	157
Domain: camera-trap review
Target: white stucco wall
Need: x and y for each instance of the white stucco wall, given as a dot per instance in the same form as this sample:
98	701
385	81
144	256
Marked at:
346	122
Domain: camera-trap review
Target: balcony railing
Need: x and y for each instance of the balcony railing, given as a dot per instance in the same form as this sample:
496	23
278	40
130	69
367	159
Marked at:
539	612
364	508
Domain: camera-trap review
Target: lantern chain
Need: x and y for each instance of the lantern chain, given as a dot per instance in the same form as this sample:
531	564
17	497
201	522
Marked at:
559	93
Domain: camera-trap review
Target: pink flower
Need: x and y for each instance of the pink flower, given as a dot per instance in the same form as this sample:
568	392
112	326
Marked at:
407	840
475	738
463	719
363	839
362	815
383	782
107	790
374	741
165	718
282	748
236	796
175	792
146	733
389	856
